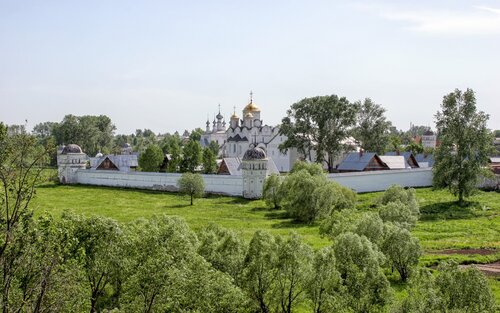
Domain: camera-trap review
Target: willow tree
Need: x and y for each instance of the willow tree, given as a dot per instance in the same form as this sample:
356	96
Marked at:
465	146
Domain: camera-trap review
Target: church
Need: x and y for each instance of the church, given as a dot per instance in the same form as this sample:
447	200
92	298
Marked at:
245	132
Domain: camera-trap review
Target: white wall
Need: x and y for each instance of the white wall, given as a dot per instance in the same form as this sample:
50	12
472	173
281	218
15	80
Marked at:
233	185
381	180
221	184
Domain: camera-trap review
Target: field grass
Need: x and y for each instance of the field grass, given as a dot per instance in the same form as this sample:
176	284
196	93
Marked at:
443	225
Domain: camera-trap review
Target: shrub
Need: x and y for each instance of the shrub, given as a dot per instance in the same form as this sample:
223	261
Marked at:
399	214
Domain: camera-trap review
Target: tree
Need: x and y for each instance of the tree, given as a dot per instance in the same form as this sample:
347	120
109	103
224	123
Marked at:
465	146
214	146
399	206
192	185
414	148
464	288
98	245
319	124
192	155
209	161
260	269
496	133
293	271
22	162
297	192
325	287
423	295
332	196
372	130
402	250
271	192
358	262
151	159
224	249
92	133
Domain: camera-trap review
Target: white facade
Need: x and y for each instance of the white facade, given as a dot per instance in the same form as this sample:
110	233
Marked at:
254	174
242	133
429	139
70	159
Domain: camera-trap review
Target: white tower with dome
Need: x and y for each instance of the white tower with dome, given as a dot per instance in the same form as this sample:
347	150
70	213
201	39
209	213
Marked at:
254	172
70	159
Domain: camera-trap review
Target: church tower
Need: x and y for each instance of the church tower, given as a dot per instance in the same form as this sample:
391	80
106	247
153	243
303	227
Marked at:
254	172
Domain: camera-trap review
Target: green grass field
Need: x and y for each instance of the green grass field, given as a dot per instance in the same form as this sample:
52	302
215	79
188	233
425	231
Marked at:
443	225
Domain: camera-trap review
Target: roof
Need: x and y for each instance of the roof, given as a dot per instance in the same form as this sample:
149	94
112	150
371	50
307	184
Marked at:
495	160
234	166
356	161
237	138
406	154
122	161
394	162
254	154
71	148
425	160
428	133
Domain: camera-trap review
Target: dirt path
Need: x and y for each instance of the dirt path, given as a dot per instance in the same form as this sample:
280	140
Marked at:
491	269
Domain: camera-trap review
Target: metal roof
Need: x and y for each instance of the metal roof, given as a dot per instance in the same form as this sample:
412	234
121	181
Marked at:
356	161
123	161
425	159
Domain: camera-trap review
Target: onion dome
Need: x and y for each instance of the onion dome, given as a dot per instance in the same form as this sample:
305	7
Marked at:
99	155
219	116
254	154
251	107
71	148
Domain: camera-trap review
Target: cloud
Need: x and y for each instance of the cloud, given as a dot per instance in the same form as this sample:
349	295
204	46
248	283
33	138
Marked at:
478	20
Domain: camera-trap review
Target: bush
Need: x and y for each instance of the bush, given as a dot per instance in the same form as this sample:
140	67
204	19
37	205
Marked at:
399	214
312	168
406	196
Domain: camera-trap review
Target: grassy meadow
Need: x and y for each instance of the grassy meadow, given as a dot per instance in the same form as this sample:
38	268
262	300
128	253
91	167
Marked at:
443	227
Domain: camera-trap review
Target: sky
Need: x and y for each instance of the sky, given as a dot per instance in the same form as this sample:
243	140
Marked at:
167	65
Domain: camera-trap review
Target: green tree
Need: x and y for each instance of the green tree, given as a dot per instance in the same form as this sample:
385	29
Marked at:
466	289
402	250
414	148
224	249
260	270
214	146
332	196
325	288
358	262
496	133
319	124
151	159
312	168
22	163
192	156
99	247
293	272
271	193
372	129
298	195
209	161
423	295
465	146
92	133
192	185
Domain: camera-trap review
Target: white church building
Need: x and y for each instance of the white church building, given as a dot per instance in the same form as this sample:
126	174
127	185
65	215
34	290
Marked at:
246	131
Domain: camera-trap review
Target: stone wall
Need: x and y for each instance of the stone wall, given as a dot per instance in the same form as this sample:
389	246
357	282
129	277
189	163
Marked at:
381	180
219	184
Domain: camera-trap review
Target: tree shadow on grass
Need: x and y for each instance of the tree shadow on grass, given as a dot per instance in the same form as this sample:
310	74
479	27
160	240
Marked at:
290	223
447	211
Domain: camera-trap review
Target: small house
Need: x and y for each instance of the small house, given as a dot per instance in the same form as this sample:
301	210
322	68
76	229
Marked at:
410	160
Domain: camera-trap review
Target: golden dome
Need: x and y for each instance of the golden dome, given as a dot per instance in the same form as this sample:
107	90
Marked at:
251	107
234	116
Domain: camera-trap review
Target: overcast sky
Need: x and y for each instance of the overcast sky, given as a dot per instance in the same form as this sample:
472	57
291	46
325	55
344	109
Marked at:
166	65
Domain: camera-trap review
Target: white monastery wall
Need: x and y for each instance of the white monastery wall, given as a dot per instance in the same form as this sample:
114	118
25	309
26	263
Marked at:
220	184
381	180
233	185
